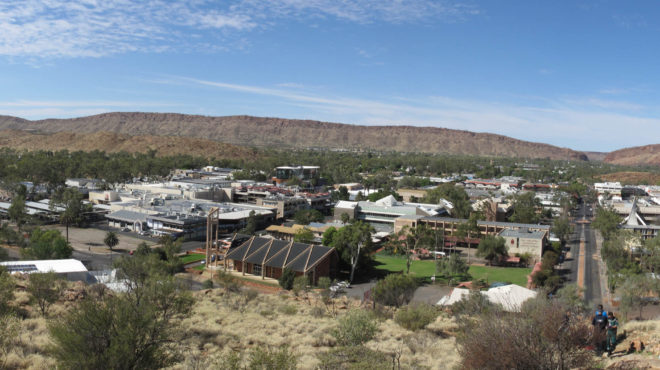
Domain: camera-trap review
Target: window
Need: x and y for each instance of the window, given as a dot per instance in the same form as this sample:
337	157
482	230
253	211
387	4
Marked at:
256	269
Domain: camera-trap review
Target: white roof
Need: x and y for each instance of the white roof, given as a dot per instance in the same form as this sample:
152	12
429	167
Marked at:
388	201
511	296
57	266
456	295
346	204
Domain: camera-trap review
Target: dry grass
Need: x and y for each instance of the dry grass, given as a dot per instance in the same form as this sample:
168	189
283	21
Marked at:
218	326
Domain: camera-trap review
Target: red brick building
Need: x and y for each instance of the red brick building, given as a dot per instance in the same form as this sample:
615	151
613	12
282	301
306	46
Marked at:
267	258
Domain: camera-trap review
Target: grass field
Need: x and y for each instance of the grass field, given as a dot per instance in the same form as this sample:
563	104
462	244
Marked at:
425	269
192	258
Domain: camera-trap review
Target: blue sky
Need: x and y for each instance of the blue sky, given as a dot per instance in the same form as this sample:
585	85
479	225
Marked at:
578	74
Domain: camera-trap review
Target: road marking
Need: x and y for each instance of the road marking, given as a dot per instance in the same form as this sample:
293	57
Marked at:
581	268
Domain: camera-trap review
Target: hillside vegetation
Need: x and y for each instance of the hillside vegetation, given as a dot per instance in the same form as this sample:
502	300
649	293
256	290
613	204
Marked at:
258	131
111	142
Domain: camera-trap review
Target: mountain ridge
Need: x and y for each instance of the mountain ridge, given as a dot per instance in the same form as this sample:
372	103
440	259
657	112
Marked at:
240	130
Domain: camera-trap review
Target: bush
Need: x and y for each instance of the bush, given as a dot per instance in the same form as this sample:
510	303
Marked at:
287	278
416	317
275	359
207	284
475	304
227	281
288	309
324	282
354	357
355	328
543	336
300	284
395	290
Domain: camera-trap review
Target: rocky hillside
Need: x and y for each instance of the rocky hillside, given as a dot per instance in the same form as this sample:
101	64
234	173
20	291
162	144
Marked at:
648	154
113	142
257	131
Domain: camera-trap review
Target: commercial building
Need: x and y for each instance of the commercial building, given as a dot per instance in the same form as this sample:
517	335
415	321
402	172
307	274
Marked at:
287	173
382	213
523	241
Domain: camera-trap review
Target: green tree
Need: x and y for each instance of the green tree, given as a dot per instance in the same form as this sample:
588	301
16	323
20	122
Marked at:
16	211
304	235
251	224
352	243
328	235
132	330
459	199
453	268
395	290
345	218
44	289
409	239
562	228
71	200
526	208
7	287
342	193
307	216
111	240
607	222
47	244
492	248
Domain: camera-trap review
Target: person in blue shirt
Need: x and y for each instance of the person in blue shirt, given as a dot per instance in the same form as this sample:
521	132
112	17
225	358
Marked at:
599	322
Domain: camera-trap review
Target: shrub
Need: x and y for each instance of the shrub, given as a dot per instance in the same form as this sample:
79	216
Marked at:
542	336
286	280
44	290
354	357
355	328
275	359
415	317
324	282
227	281
395	290
207	284
288	309
475	304
300	284
250	294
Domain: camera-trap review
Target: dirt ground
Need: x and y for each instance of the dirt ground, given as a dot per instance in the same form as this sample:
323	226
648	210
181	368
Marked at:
91	240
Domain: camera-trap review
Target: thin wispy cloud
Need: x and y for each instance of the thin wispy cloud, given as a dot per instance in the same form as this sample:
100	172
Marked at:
558	121
92	28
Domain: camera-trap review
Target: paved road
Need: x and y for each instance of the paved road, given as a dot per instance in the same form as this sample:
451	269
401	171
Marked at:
584	238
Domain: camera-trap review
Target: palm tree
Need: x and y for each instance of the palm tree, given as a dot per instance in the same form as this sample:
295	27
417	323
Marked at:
111	240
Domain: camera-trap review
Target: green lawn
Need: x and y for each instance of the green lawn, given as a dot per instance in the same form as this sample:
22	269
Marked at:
199	268
192	258
425	269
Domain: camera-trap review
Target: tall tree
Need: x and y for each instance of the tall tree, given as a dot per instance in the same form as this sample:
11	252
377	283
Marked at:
409	239
16	210
71	200
526	208
492	248
607	222
562	228
352	243
44	289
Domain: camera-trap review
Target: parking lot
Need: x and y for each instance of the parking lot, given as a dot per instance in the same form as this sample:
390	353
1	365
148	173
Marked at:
91	239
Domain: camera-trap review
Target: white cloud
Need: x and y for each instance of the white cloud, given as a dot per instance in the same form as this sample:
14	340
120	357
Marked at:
90	28
600	125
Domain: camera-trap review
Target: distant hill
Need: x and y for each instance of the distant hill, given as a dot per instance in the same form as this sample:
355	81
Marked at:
595	156
112	142
258	131
648	155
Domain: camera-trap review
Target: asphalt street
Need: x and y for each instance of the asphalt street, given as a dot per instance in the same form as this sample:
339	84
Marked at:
590	277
